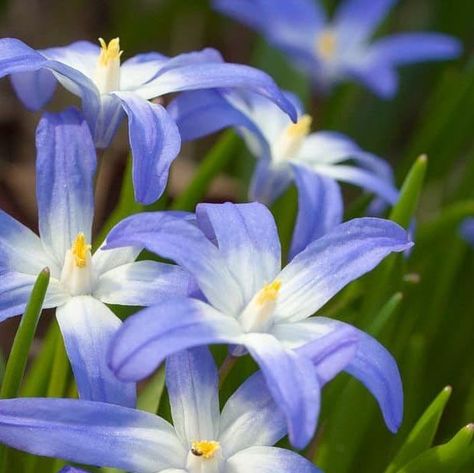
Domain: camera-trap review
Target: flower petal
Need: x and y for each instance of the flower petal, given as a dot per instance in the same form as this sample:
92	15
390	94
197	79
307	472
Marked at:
247	238
192	383
34	88
328	264
155	143
407	48
179	240
292	382
87	327
269	460
147	338
320	207
91	433
15	292
66	163
361	17
269	181
142	283
251	418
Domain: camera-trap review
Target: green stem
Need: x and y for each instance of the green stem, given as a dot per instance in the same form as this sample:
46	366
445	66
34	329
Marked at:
209	168
226	368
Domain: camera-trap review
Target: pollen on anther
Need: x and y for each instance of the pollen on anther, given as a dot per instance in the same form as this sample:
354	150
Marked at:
80	249
109	52
269	293
326	44
205	448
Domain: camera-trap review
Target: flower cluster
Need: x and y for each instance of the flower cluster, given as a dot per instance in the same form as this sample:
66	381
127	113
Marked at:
226	281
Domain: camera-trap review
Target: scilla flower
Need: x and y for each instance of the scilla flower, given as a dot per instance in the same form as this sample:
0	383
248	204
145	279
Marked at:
201	439
110	89
339	49
81	283
288	152
233	252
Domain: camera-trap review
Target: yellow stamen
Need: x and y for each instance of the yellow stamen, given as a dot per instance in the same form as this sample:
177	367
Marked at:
301	128
80	249
205	448
269	293
326	44
109	52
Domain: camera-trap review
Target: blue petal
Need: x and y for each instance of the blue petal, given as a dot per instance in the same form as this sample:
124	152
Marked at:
320	207
328	264
407	48
292	382
212	75
467	230
155	142
87	327
359	18
65	167
251	418
192	383
179	240
379	77
270	460
34	88
200	113
91	433
376	368
269	181
147	338
248	242
71	469
142	283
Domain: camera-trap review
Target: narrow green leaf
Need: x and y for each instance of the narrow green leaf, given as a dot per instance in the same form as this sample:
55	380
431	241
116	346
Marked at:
404	209
59	371
384	314
149	399
446	458
209	168
422	435
18	358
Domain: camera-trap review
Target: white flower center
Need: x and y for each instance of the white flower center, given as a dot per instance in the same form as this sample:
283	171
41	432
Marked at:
256	317
292	138
77	276
107	76
205	456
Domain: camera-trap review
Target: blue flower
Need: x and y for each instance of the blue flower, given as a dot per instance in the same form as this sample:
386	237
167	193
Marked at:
202	440
467	230
233	251
288	152
81	283
109	90
339	49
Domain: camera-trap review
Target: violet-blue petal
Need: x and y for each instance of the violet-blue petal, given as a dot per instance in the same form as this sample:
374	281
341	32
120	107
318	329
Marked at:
155	143
65	168
92	433
202	112
269	181
192	383
71	469
218	75
34	88
180	240
378	76
88	326
269	460
320	207
408	48
251	417
328	264
147	338
292	382
467	230
361	17
247	238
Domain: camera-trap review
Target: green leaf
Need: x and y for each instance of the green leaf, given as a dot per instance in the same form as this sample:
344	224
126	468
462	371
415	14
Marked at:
446	458
384	314
209	168
149	398
405	208
422	435
18	358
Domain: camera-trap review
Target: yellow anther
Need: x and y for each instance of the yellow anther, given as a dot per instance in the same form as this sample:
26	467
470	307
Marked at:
109	52
326	44
301	128
205	448
80	250
269	293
